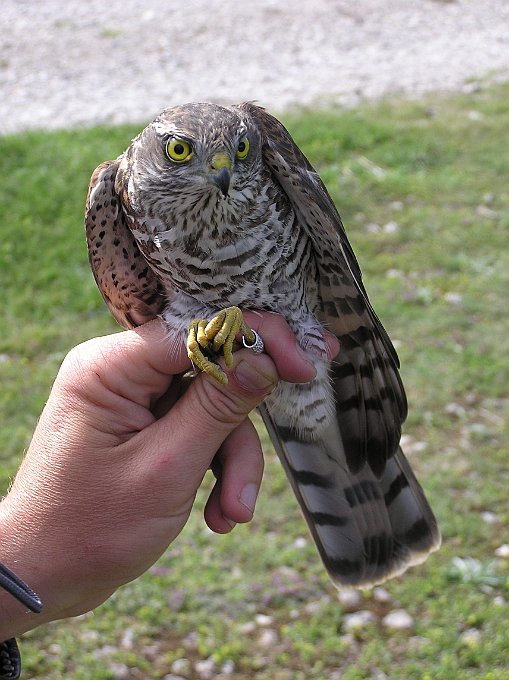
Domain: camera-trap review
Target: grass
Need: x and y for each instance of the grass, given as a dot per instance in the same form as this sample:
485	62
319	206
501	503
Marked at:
422	189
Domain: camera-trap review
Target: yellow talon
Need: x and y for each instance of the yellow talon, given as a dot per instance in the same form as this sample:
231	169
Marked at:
213	335
201	335
194	352
247	333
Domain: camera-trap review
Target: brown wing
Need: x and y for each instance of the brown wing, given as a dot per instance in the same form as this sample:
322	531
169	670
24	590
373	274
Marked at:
369	522
371	402
128	285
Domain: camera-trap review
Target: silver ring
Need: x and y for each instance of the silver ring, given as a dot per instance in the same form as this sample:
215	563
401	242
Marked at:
257	346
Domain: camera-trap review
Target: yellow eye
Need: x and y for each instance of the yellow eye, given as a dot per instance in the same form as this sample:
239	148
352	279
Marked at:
178	150
243	148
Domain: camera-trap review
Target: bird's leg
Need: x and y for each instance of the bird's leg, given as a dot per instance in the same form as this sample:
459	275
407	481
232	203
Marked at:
209	338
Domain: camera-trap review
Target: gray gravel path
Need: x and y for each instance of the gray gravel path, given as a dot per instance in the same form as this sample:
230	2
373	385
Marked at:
65	63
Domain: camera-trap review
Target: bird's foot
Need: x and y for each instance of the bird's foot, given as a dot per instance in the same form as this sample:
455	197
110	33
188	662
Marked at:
209	339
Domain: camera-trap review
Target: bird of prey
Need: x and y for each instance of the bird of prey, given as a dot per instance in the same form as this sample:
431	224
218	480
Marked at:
212	210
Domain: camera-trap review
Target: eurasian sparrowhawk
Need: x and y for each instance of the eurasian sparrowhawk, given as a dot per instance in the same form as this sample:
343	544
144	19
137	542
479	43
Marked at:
216	207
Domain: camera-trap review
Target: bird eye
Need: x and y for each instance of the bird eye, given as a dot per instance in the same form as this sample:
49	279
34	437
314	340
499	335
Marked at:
243	148
178	150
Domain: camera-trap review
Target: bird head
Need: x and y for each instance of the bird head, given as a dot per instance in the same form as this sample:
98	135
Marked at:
196	151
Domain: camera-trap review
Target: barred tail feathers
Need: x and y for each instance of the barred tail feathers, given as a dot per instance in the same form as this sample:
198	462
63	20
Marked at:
367	530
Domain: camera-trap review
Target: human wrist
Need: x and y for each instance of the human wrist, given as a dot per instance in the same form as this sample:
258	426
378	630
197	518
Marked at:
20	605
15	619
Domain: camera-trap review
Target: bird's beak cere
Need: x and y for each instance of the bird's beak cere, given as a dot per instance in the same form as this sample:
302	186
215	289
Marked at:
222	166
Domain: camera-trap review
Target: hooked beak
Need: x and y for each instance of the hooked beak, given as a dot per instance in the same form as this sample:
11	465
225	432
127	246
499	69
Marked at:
221	178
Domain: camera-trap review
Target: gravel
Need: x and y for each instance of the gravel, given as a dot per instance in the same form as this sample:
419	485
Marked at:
68	63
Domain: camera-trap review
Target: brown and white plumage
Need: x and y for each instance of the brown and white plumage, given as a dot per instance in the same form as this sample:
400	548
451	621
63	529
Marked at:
223	226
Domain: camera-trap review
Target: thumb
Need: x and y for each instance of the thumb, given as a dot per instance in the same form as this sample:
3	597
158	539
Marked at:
205	415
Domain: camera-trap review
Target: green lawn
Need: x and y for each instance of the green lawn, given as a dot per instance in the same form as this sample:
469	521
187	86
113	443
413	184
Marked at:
422	187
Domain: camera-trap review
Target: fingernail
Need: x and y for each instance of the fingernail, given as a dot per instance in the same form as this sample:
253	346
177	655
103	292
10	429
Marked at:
332	342
248	497
231	523
250	378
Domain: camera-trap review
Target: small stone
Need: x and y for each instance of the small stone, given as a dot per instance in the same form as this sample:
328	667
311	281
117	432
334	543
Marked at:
350	600
300	542
171	676
259	662
247	628
453	298
398	619
491	417
358	620
228	668
264	620
499	601
348	640
288	572
120	670
390	228
90	635
107	650
127	640
490	517
268	638
151	651
471	637
181	666
483	211
455	410
502	551
381	595
418	447
396	205
313	607
191	639
205	668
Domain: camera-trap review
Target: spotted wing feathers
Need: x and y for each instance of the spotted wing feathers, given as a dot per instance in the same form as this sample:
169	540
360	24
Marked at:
128	285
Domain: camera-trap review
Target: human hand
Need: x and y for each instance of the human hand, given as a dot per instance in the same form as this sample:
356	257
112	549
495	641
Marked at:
118	455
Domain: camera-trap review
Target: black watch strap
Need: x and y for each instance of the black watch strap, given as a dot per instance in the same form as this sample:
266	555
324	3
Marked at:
10	660
19	589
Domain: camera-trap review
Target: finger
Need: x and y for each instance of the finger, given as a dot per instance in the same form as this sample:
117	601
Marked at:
332	343
294	364
179	447
178	386
215	520
239	469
